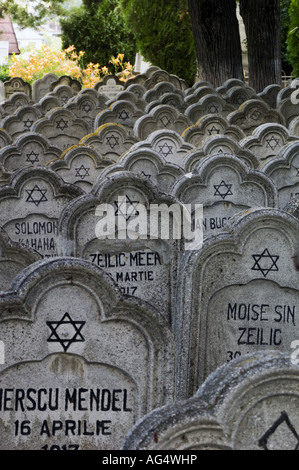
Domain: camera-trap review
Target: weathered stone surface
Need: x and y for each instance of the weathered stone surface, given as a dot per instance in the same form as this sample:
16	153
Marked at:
245	298
16	84
248	404
209	104
42	86
120	112
110	86
82	362
21	121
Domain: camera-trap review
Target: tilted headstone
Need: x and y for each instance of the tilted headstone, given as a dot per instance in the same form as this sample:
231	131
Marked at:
21	121
127	95
5	138
137	89
266	140
161	117
41	86
31	205
252	114
294	127
120	112
288	109
15	101
219	145
16	85
169	144
48	102
199	92
159	90
211	125
28	150
209	104
87	105
64	93
80	165
225	186
237	95
82	362
170	99
66	80
61	127
149	165
13	258
230	83
237	295
110	140
159	76
249	404
284	171
269	95
141	258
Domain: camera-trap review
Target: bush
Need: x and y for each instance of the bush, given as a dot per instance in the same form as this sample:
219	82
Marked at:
293	37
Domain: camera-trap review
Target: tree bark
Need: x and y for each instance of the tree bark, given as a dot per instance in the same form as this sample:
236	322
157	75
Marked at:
217	40
262	25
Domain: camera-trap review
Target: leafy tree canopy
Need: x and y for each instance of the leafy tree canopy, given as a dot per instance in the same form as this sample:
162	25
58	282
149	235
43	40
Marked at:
30	14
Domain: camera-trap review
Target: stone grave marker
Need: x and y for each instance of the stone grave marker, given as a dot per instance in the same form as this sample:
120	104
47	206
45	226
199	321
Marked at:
127	95
169	144
64	93
159	90
16	85
209	104
41	86
48	102
82	362
61	127
21	121
15	101
294	127
288	109
87	105
198	93
270	94
225	185
219	145
266	140
158	76
31	205
109	86
252	114
238	95
13	258
28	150
211	125
283	170
228	84
143	259
246	296
120	112
80	165
161	117
170	99
66	80
110	140
147	164
249	404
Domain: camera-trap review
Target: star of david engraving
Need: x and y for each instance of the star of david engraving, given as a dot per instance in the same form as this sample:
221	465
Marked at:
265	262
126	208
223	189
213	109
64	99
123	115
255	115
297	169
165	121
272	143
28	123
213	130
86	107
61	124
36	195
82	172
112	141
32	157
165	149
65	331
283	419
145	175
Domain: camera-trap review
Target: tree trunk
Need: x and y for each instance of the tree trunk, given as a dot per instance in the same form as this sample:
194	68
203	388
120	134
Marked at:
262	25
217	40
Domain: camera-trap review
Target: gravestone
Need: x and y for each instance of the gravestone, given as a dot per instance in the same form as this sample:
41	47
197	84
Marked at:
80	166
13	258
87	105
28	150
64	93
225	186
16	85
109	86
252	114
248	404
171	99
289	109
82	362
127	95
15	101
21	121
266	140
31	205
211	125
41	86
269	95
198	93
141	260
120	112
48	102
160	89
209	104
149	165
238	95
246	295
110	140
61	127
161	117
284	171
66	80
219	145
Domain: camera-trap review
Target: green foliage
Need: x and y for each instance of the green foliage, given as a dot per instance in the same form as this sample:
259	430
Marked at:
98	30
31	14
163	34
285	24
293	37
4	72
